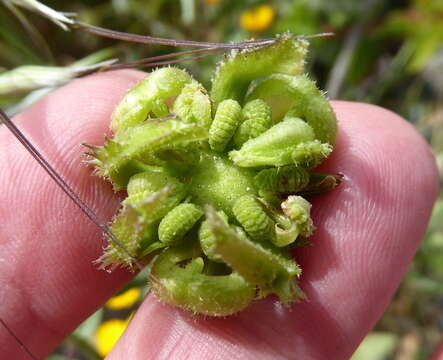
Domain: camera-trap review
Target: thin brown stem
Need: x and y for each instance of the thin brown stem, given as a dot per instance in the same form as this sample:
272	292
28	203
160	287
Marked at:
315	36
138	64
155	60
144	39
14	335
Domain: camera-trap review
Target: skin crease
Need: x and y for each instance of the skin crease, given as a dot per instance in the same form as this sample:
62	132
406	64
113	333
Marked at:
368	230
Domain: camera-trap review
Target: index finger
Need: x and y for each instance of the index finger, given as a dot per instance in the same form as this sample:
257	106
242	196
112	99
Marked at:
48	282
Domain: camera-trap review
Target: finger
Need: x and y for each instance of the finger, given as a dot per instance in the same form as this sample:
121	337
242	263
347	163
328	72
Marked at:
367	232
48	282
437	354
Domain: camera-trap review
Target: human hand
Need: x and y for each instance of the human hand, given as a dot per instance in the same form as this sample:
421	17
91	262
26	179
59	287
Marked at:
367	232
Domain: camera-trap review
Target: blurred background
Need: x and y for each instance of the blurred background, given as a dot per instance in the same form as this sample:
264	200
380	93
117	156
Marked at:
388	53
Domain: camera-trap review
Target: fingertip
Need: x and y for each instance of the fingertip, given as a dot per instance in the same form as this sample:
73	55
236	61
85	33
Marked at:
369	228
389	142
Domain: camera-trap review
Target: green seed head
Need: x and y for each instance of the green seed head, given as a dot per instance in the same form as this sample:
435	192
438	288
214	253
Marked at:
214	183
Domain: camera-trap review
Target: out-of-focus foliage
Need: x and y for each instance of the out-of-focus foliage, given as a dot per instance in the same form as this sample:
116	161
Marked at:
377	346
108	333
386	52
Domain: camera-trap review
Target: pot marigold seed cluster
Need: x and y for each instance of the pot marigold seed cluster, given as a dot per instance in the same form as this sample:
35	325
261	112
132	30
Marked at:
216	181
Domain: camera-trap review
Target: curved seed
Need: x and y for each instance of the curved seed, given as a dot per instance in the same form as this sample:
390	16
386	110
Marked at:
145	184
135	106
178	222
275	146
270	270
193	105
148	182
136	229
234	75
257	119
207	239
159	108
299	211
142	143
226	120
250	214
194	291
283	92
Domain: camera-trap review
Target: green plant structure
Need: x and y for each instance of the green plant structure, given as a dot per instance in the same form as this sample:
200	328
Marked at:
215	179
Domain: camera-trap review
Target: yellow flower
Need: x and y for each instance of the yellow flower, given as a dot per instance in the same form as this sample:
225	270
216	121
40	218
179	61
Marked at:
257	19
124	300
211	2
108	333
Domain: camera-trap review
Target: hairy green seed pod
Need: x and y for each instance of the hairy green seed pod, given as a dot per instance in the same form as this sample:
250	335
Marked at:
136	229
234	75
193	105
135	106
159	108
178	222
283	92
252	217
148	182
257	119
144	184
142	143
139	239
298	210
189	288
226	120
275	146
271	271
311	153
285	179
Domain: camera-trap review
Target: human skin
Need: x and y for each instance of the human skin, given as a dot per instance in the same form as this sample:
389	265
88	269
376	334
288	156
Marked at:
368	230
438	352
